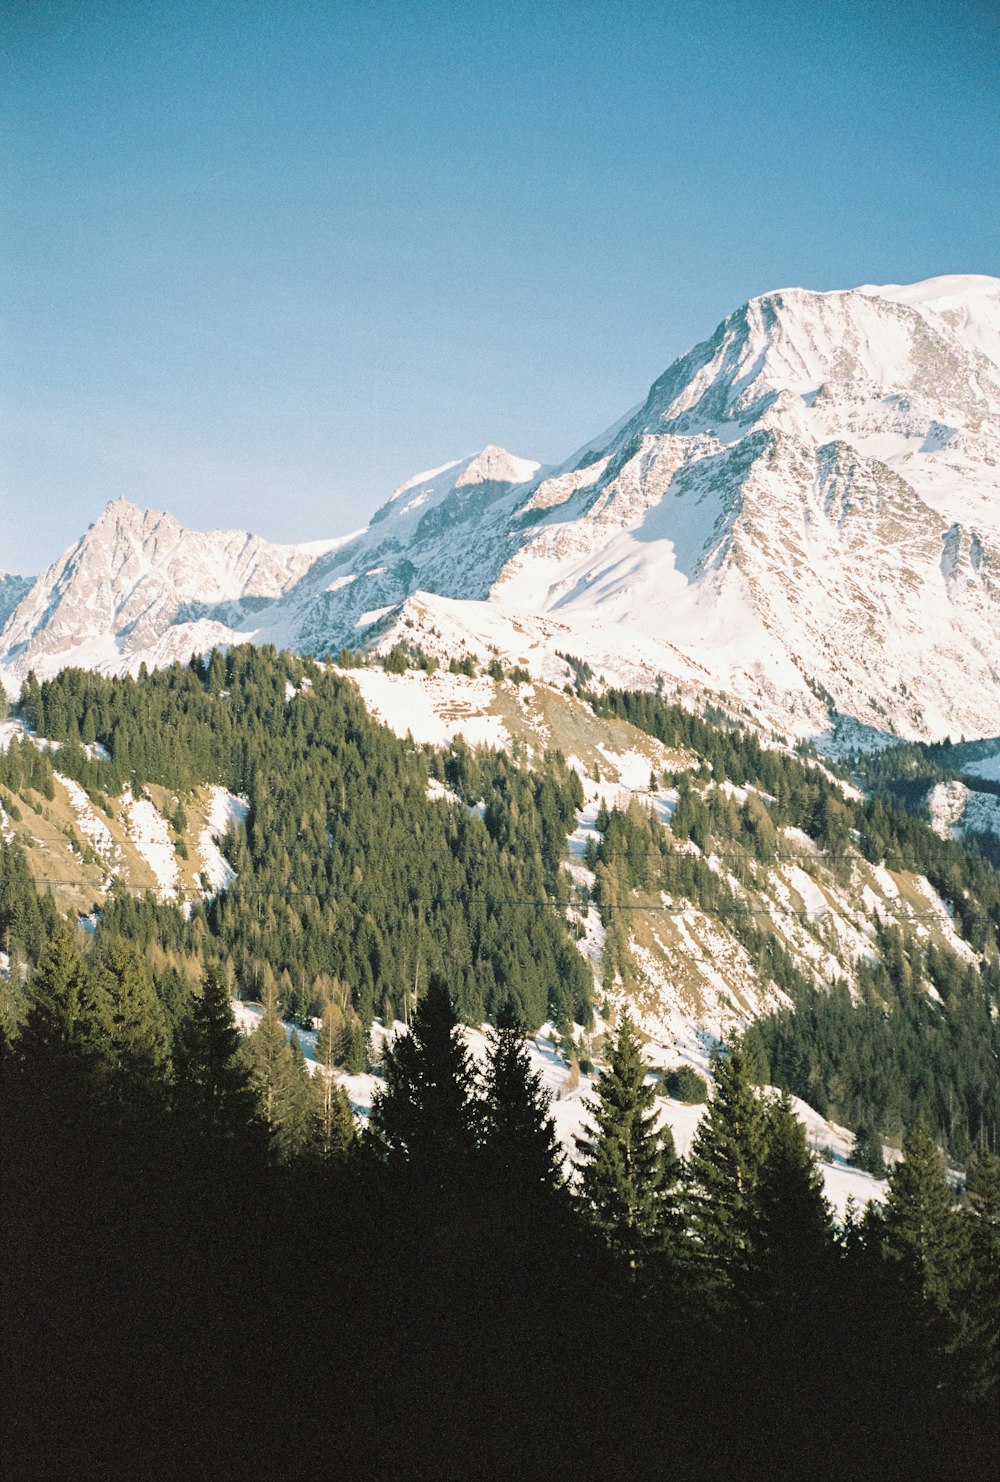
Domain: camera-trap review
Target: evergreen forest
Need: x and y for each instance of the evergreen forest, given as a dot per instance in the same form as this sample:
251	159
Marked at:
212	1269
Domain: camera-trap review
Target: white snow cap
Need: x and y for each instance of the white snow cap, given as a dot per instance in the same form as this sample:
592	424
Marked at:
968	302
498	466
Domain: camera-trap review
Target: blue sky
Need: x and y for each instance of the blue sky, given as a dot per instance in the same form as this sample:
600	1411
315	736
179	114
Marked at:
259	262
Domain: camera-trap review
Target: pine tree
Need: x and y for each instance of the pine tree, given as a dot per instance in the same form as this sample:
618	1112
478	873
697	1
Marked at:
326	1036
795	1242
64	1041
920	1227
213	1091
293	1111
351	1046
523	1155
918	1237
332	1128
137	1033
981	1286
867	1152
722	1178
270	1060
428	1116
628	1167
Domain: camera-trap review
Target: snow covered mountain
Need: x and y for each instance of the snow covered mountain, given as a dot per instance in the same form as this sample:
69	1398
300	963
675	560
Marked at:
803	518
137	587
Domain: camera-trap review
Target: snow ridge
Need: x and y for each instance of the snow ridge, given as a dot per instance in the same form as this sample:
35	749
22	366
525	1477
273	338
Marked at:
802	518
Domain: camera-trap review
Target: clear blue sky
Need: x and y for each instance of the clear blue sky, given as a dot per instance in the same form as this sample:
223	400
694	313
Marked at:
259	262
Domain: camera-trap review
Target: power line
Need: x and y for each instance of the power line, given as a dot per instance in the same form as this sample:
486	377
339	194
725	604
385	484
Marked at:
490	902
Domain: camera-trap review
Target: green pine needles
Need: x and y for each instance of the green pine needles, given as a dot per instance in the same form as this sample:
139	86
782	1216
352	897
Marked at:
628	1165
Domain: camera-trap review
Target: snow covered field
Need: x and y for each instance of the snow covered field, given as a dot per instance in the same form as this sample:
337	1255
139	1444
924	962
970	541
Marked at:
988	767
433	708
93	829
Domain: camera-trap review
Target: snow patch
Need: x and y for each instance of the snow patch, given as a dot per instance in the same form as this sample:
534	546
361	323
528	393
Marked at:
987	767
150	833
225	811
433	708
438	793
94	829
9	730
946	803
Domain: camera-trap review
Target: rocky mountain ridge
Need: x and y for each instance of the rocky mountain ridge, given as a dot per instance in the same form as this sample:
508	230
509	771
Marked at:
802	520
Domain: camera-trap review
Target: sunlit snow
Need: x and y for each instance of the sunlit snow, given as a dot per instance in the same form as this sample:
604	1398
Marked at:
150	833
225	809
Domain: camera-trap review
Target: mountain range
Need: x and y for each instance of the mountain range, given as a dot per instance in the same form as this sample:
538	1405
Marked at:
800	522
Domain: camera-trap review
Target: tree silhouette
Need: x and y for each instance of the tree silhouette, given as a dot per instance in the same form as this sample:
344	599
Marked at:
427	1115
627	1166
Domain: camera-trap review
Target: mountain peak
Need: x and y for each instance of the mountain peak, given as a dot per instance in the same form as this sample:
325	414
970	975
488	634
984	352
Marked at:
121	518
969	303
801	517
122	508
495	465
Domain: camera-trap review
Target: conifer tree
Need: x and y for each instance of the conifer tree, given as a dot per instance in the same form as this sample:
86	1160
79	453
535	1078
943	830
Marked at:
722	1178
795	1243
332	1122
428	1116
293	1111
213	1091
628	1167
270	1060
137	1031
350	1046
981	1286
524	1159
326	1035
919	1236
867	1151
65	1037
920	1227
332	1127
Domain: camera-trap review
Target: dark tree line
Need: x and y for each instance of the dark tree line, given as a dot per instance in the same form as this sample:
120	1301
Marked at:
183	1296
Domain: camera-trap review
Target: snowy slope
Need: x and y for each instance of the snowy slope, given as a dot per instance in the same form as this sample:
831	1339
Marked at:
969	303
807	505
803	518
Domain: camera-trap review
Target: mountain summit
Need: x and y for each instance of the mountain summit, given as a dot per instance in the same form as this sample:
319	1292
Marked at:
139	586
802	518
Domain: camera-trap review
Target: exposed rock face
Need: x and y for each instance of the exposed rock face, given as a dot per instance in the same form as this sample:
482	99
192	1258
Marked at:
803	516
113	598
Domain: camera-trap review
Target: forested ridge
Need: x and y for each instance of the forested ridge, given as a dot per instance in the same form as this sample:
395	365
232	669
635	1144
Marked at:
353	885
346	868
212	1271
922	1035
